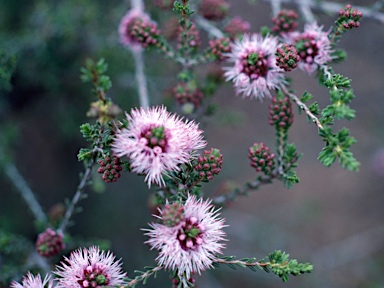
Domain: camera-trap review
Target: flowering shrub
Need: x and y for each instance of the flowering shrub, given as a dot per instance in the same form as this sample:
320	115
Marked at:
164	147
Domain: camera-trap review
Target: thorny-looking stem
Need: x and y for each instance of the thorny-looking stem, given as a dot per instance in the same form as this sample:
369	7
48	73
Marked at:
76	198
304	107
256	263
332	7
143	276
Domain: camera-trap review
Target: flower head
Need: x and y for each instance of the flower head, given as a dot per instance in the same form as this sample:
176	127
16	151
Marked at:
191	245
313	47
31	281
254	72
157	141
89	268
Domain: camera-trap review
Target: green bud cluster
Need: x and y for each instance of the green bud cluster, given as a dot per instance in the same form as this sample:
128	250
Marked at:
172	214
261	158
280	113
209	164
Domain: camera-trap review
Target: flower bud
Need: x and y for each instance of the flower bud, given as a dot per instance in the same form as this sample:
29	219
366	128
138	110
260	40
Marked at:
261	158
109	168
280	113
209	164
49	243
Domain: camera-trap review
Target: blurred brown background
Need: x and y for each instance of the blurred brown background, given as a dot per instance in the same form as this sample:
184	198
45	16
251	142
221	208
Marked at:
333	218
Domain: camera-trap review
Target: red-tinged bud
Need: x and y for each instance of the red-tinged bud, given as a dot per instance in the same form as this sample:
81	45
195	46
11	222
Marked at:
49	243
285	21
280	113
109	168
261	158
209	164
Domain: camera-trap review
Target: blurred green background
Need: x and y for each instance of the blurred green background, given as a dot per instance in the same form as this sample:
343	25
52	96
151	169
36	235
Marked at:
333	218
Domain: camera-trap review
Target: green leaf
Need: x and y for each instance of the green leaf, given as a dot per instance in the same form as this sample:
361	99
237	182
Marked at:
314	108
85	154
306	97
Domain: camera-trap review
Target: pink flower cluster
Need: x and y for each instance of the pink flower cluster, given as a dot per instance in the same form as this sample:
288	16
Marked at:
156	142
192	244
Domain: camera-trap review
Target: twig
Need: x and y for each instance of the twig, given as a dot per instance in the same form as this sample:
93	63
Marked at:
139	64
25	191
143	276
208	27
140	77
332	7
305	8
276	6
245	263
242	191
80	189
304	107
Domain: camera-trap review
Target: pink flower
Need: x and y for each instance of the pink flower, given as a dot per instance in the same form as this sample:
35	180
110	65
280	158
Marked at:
127	23
89	268
254	72
191	245
31	281
156	142
313	47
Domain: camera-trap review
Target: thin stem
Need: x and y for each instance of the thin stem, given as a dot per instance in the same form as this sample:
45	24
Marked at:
78	195
303	107
305	8
208	27
143	276
281	141
276	6
25	191
244	263
140	77
139	64
242	191
332	7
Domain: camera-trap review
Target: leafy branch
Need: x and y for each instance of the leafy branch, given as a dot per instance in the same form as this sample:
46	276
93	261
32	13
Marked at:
277	262
143	277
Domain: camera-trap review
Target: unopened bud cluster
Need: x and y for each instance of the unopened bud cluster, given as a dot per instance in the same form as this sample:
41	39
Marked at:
287	57
49	243
172	214
349	17
209	164
237	26
110	167
104	111
261	158
280	113
185	94
145	32
285	21
213	9
220	46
